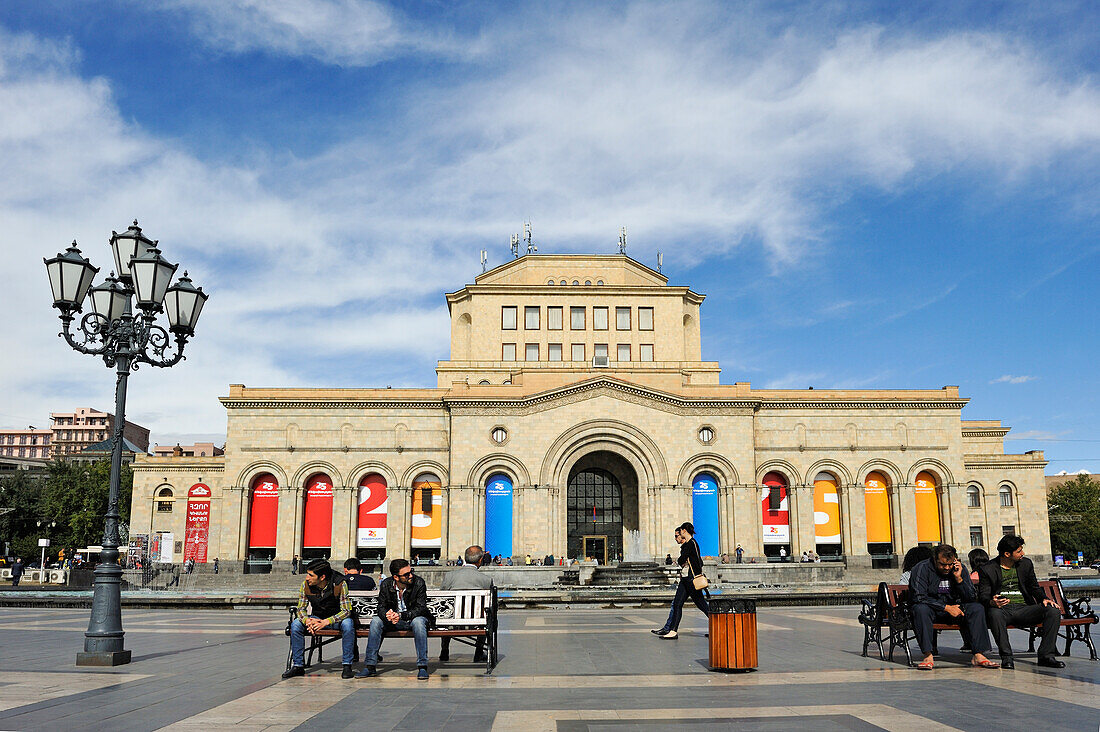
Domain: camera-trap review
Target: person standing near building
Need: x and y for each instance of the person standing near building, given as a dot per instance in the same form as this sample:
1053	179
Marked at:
17	571
215	565
467	577
294	565
740	553
691	564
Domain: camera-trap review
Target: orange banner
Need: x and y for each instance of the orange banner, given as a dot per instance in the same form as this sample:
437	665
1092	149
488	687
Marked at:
928	508
427	526
876	502
826	510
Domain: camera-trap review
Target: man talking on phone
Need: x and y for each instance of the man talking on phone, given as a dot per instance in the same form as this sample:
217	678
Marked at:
940	591
1011	594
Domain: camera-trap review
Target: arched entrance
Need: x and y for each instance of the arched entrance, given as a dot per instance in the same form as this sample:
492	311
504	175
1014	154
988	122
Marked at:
601	503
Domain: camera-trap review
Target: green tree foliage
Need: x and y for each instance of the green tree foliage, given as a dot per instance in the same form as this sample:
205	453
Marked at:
76	497
22	491
1079	501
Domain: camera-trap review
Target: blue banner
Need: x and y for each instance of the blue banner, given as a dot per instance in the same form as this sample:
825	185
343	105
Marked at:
704	513
498	515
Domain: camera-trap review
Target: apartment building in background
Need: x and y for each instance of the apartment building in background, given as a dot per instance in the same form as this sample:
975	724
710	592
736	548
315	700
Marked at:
73	432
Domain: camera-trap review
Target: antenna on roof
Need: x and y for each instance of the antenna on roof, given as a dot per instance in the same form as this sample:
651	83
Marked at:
515	245
622	240
531	248
484	259
660	260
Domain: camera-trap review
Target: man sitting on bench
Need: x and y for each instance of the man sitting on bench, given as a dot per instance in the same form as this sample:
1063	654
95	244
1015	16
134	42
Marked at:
326	594
1011	594
402	605
467	577
940	591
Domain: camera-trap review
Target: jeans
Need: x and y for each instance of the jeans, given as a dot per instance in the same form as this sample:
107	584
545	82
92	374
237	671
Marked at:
1025	615
298	641
684	590
972	624
419	627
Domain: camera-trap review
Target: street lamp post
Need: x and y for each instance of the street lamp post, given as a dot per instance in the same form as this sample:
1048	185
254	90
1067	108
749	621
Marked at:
125	340
43	544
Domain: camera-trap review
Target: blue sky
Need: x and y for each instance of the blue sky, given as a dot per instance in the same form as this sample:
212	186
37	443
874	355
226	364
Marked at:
871	196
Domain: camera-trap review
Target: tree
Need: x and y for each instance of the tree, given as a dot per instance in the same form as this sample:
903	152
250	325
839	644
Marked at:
1074	508
22	491
76	497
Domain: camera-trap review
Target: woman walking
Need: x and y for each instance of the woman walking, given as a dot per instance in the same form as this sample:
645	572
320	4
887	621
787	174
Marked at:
691	564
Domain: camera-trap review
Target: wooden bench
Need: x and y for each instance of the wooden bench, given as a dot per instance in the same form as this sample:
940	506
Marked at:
464	615
887	618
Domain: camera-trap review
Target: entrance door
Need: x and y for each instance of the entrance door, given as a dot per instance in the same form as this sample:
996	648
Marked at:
595	547
595	504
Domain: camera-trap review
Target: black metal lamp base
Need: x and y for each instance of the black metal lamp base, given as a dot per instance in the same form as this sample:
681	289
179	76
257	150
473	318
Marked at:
102	658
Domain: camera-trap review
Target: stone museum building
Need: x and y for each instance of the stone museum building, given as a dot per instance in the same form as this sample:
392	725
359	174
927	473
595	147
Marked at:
576	408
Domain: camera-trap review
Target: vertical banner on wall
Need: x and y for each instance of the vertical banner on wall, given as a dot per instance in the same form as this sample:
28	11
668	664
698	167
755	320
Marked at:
317	521
197	529
704	513
826	510
498	515
263	517
776	522
876	502
138	551
928	508
427	525
373	504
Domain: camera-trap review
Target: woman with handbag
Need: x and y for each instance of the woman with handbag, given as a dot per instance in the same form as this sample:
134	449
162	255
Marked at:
693	583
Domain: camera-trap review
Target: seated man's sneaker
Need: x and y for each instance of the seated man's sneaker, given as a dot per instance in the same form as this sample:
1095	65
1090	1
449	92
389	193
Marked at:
669	635
294	671
422	673
367	671
347	673
1007	662
1051	662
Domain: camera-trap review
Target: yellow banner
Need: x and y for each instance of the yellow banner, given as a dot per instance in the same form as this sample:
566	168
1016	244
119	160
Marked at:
826	510
427	526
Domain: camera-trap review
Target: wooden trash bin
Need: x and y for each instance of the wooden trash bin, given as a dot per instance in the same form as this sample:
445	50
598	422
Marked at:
732	634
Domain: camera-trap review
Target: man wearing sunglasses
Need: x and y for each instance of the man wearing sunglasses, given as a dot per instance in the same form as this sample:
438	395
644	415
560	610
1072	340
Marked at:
402	605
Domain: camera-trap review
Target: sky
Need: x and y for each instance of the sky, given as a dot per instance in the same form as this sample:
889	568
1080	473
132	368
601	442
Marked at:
870	195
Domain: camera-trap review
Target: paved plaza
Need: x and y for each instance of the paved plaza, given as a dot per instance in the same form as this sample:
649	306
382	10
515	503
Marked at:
560	669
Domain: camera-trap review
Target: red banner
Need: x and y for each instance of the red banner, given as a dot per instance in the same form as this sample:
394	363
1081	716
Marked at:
197	536
317	522
263	519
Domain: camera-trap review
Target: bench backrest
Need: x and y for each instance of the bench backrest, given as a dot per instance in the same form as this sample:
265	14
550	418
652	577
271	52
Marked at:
897	595
1052	590
449	607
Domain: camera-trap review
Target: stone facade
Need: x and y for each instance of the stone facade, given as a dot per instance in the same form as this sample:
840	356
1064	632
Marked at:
654	424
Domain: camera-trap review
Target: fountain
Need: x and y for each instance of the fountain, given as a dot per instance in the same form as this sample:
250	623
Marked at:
637	568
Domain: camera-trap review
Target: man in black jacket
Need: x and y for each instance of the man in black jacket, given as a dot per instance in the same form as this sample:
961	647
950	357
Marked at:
691	564
940	591
402	605
1011	594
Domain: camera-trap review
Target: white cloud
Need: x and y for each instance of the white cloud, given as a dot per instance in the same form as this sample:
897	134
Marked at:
670	127
1010	379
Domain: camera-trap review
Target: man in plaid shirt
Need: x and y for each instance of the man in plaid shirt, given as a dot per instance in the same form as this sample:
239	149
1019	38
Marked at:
325	593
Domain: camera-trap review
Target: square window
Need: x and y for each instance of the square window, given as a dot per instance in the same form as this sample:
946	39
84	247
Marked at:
600	350
622	318
623	352
531	352
531	317
553	352
645	352
645	318
508	317
599	318
976	536
577	352
1009	530
576	318
553	318
508	352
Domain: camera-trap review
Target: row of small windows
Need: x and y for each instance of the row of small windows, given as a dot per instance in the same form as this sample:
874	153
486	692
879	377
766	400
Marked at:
575	283
23	439
531	352
578	317
974	497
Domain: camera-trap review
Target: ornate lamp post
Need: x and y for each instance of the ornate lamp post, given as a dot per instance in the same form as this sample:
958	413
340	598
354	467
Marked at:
125	340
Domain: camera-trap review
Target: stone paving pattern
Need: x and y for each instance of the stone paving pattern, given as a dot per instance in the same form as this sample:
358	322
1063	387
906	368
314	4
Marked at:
561	669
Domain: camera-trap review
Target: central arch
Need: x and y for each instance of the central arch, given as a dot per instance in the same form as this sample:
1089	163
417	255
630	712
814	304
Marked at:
601	504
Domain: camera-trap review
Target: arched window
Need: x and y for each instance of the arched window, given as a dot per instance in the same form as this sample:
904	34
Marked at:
165	500
1006	496
973	497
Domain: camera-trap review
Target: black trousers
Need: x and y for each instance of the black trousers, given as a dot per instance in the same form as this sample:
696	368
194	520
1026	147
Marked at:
972	623
1025	615
479	647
